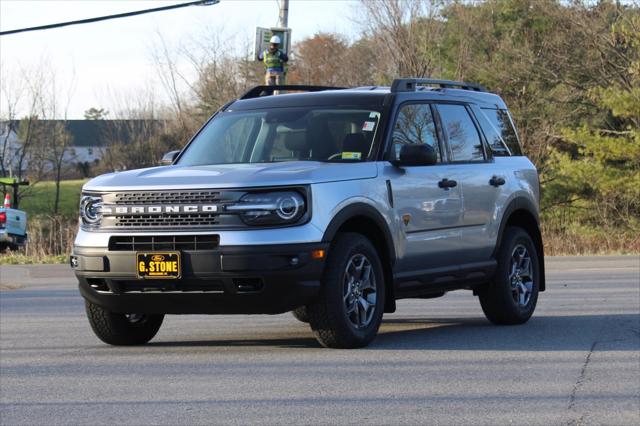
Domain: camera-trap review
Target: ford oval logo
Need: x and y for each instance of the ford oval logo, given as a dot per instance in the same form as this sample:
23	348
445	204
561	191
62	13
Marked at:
157	258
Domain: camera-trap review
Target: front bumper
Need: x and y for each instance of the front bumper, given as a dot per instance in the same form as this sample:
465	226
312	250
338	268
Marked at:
228	280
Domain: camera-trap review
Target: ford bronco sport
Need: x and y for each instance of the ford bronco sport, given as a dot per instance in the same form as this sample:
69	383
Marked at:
333	204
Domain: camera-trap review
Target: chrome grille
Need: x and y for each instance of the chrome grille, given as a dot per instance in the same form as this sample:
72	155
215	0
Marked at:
189	209
196	219
166	197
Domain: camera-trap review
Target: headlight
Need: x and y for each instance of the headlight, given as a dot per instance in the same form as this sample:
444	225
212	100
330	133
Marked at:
270	208
90	210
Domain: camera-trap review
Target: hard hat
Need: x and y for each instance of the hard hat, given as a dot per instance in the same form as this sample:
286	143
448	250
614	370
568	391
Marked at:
275	40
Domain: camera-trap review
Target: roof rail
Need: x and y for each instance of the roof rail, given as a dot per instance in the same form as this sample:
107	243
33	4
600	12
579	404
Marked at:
411	84
259	91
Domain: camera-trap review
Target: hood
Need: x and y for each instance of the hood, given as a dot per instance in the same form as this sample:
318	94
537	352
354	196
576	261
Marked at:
231	176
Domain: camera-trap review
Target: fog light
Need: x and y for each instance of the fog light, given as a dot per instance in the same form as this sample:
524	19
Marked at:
73	261
245	285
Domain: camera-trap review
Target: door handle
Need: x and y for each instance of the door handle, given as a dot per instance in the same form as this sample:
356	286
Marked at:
496	181
446	183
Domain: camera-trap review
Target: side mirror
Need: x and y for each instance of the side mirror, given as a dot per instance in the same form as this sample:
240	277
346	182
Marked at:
416	155
168	158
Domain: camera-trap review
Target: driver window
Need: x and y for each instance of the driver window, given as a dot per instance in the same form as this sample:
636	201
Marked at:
414	125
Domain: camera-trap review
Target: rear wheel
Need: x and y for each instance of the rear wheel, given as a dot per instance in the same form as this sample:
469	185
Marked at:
512	296
122	329
348	311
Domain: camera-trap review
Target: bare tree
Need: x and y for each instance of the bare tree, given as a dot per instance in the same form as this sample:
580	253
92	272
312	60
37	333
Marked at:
27	154
201	74
53	139
404	33
141	131
170	76
219	74
21	94
11	91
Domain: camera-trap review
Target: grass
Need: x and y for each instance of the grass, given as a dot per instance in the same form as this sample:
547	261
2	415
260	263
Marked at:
39	199
17	258
50	237
50	241
580	240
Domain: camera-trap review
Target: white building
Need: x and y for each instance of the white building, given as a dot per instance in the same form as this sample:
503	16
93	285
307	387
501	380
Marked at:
89	139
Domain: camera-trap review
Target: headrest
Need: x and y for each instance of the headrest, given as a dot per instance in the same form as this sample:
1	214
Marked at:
295	141
354	142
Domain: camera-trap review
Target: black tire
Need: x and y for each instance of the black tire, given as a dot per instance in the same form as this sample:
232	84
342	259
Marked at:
332	324
498	300
122	329
301	314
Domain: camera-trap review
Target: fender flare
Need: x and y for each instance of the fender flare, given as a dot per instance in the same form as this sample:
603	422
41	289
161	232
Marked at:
522	203
361	209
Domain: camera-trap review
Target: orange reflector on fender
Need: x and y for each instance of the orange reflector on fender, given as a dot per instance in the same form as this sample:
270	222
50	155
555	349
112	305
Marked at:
317	254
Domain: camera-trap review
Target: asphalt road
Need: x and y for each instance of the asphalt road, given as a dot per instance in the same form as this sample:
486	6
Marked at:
577	361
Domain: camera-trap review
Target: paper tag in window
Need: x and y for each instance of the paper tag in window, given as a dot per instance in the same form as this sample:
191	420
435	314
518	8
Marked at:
373	114
368	126
351	155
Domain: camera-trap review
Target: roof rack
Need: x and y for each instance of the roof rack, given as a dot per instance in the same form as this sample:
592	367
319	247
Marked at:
259	91
411	84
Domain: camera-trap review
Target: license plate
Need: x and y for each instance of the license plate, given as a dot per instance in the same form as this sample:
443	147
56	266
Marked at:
158	265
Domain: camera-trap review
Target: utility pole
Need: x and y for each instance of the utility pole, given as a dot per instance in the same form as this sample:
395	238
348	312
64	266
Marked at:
284	13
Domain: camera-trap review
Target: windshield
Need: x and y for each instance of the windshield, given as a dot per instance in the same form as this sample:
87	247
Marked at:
284	134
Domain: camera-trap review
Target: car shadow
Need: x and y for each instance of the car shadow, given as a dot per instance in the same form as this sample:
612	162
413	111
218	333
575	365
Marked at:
541	333
292	342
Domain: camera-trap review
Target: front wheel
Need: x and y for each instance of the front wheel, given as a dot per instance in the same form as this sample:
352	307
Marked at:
348	311
122	329
512	296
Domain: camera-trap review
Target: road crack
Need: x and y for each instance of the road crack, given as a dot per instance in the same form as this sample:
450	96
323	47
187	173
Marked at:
582	377
578	384
576	387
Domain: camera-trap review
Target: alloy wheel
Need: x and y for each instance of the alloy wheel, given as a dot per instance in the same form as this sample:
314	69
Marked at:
359	291
521	275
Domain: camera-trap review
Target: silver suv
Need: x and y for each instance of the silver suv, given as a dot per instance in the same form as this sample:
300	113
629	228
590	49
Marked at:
333	204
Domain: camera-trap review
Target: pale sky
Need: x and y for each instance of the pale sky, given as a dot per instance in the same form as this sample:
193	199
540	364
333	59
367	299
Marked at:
115	56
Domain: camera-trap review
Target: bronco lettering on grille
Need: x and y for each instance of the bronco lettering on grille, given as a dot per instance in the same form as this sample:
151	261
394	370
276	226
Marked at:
110	210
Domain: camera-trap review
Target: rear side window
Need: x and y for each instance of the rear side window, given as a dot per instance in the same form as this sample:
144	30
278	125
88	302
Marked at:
463	137
501	133
497	145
